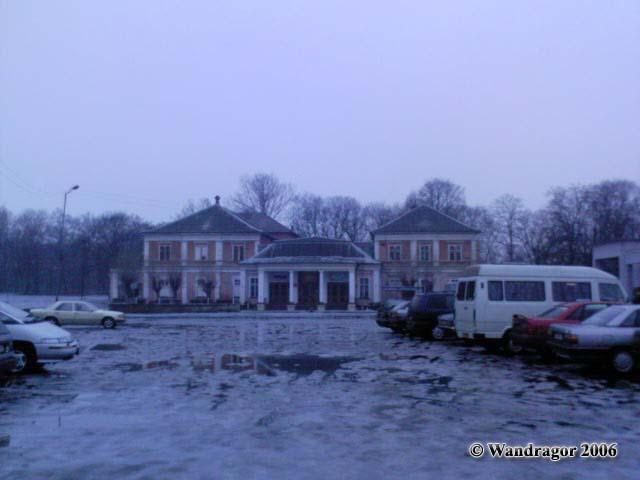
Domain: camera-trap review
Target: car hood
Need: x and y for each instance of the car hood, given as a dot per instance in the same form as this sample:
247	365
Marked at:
38	330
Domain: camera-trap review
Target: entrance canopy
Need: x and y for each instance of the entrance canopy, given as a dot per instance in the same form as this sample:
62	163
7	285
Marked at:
315	272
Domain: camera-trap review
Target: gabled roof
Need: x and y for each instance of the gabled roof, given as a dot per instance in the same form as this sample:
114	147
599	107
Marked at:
311	250
217	219
263	222
424	220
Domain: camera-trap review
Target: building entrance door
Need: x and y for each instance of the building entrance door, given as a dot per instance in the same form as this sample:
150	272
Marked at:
337	295
278	296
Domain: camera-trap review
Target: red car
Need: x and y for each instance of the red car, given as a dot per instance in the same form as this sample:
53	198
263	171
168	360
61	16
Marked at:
531	333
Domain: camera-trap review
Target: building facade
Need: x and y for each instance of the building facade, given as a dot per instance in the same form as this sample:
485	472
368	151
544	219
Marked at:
423	250
217	255
621	259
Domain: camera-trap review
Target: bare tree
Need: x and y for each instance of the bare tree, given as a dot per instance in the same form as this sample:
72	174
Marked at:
156	286
175	280
377	214
440	194
207	285
509	214
307	215
193	206
263	193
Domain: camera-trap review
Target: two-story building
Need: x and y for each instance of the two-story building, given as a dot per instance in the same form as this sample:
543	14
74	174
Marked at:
199	257
423	250
217	255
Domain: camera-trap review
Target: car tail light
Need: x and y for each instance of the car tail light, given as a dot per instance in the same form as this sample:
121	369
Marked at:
570	338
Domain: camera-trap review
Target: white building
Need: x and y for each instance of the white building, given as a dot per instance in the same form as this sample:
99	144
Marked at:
621	259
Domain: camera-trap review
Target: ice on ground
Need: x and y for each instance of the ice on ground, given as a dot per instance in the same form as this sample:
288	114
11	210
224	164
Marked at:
305	399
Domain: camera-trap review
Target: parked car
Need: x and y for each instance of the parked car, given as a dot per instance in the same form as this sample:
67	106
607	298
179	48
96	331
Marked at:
489	296
393	315
7	360
446	327
425	310
36	341
532	332
611	335
79	313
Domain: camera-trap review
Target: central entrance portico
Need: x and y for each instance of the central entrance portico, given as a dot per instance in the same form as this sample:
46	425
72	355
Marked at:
315	273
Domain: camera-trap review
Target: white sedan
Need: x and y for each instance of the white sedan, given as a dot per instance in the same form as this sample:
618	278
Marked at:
78	313
36	342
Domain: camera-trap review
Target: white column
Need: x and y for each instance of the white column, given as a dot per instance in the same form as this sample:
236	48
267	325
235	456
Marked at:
474	251
414	250
145	286
113	285
219	250
183	252
376	250
436	252
376	287
216	294
183	286
263	290
322	286
243	286
292	288
352	287
146	251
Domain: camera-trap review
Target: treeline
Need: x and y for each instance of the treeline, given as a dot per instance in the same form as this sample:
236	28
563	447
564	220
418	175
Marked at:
30	253
564	231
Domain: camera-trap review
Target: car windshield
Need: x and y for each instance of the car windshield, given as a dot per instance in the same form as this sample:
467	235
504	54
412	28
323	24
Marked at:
554	312
17	314
400	306
604	317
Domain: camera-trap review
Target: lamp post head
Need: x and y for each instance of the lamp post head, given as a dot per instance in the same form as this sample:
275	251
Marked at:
75	187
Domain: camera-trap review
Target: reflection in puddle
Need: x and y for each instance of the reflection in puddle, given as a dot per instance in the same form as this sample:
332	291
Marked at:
299	364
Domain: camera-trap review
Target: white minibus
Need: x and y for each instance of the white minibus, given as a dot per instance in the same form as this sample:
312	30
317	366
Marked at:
488	296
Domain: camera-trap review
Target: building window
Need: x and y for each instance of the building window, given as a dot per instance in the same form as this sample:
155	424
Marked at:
364	288
202	252
425	253
455	252
164	252
395	252
238	253
253	287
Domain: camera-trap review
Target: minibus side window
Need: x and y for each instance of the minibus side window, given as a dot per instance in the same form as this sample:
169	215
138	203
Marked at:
524	291
496	293
471	291
460	294
571	291
610	292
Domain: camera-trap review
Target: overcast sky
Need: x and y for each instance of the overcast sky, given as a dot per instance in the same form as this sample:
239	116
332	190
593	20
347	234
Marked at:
146	104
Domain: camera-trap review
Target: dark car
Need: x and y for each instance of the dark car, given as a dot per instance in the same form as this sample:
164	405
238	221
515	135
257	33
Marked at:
7	360
424	311
532	332
393	315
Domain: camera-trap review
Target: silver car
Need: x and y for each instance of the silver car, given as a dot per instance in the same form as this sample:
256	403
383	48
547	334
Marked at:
611	335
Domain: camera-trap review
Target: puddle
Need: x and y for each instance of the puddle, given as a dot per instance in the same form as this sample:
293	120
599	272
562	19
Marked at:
108	347
300	364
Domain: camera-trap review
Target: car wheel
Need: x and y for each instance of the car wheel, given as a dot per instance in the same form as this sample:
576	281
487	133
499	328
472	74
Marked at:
622	361
53	320
25	358
437	333
109	323
508	347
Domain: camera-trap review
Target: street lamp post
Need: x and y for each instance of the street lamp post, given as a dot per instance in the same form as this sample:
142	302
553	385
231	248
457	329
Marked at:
61	240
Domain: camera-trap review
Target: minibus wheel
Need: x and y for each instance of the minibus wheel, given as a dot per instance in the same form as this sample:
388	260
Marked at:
508	347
